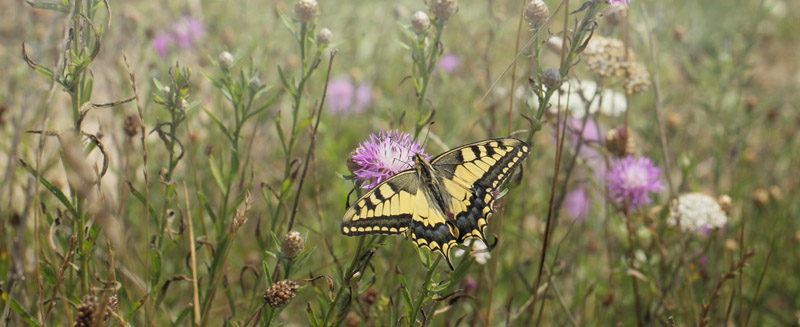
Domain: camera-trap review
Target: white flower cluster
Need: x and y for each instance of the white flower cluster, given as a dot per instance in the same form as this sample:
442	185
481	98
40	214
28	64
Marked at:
576	94
479	252
697	213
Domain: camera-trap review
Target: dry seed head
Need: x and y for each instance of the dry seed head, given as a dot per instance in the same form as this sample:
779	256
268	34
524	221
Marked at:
606	56
620	142
324	36
131	126
637	79
113	302
731	245
420	22
306	10
551	78
86	312
679	33
674	120
536	13
775	193
292	244
760	197
370	295
725	203
443	9
225	60
352	320
615	13
281	292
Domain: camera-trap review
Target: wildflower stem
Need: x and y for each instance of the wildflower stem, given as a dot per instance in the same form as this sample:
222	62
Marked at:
631	246
427	70
423	292
311	143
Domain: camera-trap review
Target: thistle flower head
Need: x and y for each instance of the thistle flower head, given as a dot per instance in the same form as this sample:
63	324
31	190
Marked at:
281	292
551	78
343	98
625	2
630	180
577	204
448	63
383	156
697	212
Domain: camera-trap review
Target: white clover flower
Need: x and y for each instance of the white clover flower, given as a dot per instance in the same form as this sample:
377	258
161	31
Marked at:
697	213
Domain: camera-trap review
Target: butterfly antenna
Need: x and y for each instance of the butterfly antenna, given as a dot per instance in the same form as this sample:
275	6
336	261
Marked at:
347	201
427	133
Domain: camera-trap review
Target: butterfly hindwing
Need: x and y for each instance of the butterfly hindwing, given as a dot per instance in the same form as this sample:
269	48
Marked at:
386	209
430	227
472	173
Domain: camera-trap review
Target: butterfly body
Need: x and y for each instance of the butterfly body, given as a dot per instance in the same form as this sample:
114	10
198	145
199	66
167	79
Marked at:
443	202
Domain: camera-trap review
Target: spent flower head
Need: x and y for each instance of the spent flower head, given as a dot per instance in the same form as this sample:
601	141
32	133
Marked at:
383	156
630	180
697	213
306	10
443	9
281	292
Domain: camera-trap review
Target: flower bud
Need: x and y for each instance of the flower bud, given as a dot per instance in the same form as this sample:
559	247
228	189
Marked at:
420	22
725	203
324	36
255	83
536	13
292	244
306	10
225	60
551	78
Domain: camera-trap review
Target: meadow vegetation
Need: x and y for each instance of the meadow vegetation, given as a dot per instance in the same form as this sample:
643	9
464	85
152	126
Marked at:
188	163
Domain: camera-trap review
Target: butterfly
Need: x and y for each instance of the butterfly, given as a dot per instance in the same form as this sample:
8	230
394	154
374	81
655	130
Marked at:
441	203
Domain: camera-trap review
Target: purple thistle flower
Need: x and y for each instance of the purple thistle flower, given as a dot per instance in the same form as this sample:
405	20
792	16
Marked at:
383	156
344	98
631	179
161	42
340	95
625	2
448	63
577	204
188	30
363	98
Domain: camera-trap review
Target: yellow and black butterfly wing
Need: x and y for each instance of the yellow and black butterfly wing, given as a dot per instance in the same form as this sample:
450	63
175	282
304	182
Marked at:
471	175
429	225
386	209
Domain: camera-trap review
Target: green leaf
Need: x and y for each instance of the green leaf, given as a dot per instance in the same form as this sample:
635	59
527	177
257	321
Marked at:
170	193
212	164
48	273
184	313
155	266
22	313
207	206
142	199
134	308
87	90
289	24
280	132
219	125
52	188
49	6
312	319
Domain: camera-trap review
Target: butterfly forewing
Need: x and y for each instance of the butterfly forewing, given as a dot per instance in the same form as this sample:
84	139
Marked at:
386	209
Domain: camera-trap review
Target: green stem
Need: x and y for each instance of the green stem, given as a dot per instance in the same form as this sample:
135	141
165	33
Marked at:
426	75
423	292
